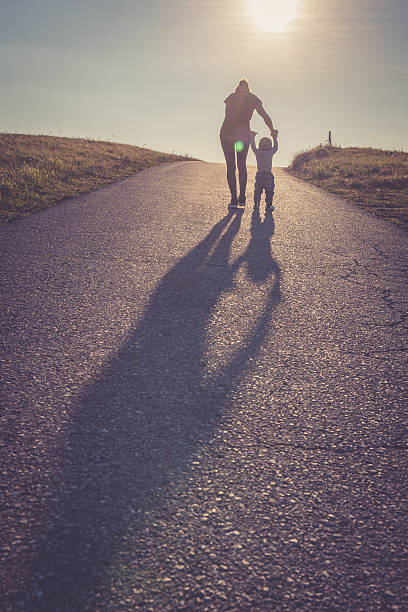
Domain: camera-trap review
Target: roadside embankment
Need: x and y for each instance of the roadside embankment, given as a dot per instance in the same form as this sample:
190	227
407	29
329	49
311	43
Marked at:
38	171
376	180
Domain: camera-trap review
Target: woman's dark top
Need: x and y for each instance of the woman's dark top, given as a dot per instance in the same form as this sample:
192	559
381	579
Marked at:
239	108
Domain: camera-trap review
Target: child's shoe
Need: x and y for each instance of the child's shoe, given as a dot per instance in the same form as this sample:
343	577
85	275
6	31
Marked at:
233	204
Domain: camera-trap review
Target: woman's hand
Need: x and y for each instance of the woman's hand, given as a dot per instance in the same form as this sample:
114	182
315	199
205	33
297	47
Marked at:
274	133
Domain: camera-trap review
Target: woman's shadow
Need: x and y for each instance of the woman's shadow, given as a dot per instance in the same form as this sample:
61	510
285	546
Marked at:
139	425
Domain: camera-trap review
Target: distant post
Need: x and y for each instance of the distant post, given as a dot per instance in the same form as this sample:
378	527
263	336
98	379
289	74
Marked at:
330	141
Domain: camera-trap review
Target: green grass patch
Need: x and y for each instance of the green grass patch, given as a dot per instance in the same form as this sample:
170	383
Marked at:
37	171
375	179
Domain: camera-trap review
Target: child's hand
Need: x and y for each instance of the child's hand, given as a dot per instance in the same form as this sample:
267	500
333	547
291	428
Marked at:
253	134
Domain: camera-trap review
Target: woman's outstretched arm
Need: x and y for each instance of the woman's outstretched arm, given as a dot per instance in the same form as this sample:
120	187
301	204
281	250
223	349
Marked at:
262	112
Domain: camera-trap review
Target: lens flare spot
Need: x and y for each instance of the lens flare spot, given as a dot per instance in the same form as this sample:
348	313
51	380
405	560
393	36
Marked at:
239	146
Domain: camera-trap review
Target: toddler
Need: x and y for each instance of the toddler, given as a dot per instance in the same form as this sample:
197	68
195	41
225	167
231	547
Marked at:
264	178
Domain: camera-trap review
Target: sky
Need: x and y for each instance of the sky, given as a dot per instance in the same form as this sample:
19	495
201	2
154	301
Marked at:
155	73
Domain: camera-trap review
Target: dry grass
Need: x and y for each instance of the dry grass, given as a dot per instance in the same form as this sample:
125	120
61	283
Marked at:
37	171
376	180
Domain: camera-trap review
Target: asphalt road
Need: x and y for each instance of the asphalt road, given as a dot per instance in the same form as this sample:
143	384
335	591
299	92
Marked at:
203	410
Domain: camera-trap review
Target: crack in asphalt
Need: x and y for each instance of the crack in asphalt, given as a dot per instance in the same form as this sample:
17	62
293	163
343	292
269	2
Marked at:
377	354
386	297
400	443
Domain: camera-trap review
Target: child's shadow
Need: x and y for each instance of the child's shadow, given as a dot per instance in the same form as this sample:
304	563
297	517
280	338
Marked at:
258	254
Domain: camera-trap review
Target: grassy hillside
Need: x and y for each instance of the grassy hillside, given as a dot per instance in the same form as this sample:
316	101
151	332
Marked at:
376	180
37	171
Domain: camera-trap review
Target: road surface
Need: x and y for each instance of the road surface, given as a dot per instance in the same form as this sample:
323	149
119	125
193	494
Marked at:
203	410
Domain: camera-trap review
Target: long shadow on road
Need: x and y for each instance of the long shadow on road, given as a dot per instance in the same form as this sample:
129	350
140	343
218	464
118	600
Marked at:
147	414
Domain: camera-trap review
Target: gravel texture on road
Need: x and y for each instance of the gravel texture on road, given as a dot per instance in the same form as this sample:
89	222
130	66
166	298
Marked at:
203	410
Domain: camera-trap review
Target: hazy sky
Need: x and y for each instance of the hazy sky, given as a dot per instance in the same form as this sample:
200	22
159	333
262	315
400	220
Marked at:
156	72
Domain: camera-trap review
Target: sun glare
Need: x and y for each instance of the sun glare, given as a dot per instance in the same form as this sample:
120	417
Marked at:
273	15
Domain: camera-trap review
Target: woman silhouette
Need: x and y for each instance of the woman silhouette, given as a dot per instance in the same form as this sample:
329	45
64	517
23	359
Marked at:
235	136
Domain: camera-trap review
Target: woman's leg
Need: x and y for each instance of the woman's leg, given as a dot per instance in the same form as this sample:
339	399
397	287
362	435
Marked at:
229	154
242	171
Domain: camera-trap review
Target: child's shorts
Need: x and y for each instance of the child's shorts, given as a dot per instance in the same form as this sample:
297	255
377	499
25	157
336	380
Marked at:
264	180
